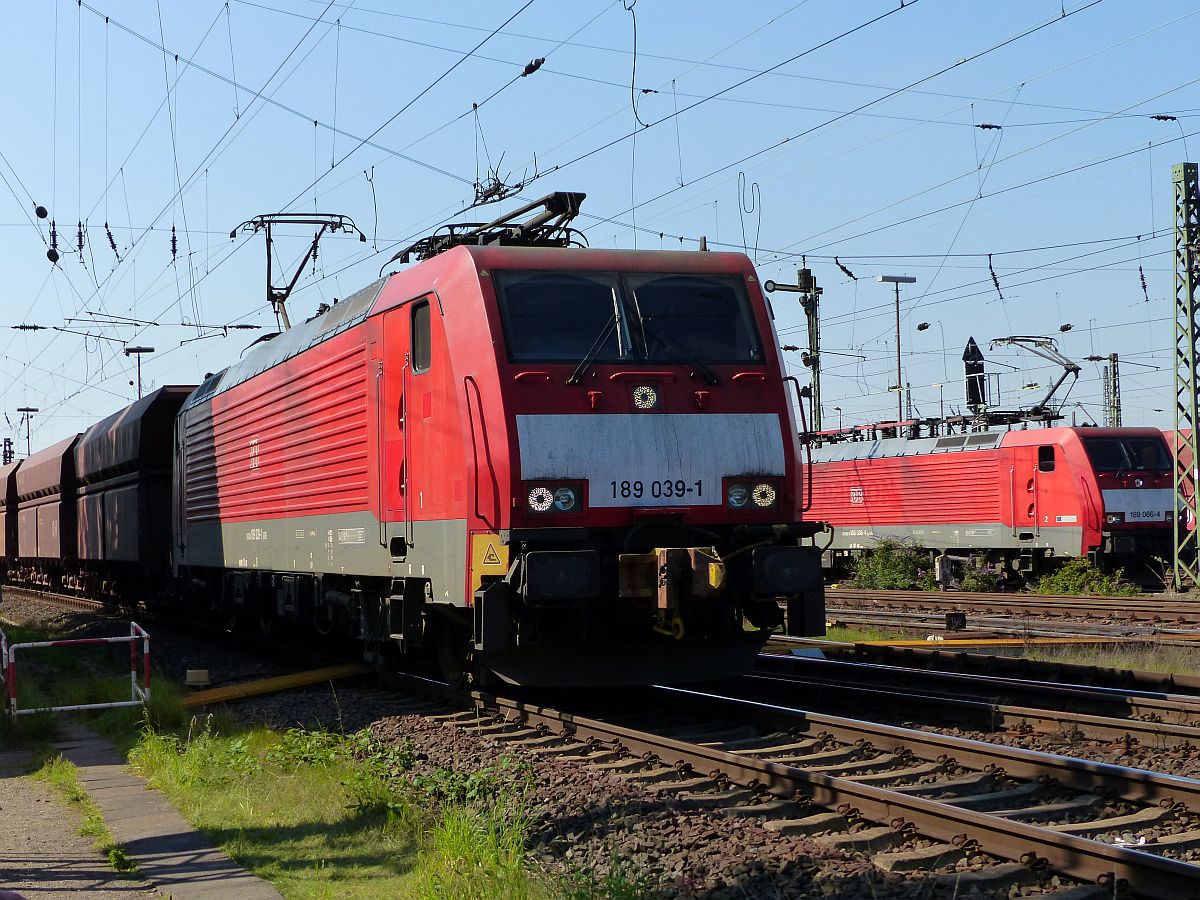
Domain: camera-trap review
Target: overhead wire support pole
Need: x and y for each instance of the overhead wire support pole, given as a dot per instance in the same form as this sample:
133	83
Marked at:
1112	392
810	299
277	296
896	281
1187	337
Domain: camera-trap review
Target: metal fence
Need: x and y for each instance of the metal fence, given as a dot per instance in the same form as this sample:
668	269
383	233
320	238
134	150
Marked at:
139	694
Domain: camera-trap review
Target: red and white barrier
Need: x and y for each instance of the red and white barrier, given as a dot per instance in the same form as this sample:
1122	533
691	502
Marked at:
139	694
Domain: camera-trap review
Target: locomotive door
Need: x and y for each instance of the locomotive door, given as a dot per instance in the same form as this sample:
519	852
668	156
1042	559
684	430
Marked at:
407	412
393	463
1024	489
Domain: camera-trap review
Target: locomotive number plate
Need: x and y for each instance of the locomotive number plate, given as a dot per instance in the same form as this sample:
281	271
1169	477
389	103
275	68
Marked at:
1145	515
666	489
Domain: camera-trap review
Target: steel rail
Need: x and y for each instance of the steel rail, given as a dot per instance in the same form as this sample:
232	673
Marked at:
1184	708
990	715
1144	608
935	620
939	658
1165	879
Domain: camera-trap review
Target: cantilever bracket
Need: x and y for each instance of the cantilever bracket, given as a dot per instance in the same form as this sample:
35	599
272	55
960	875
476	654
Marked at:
277	296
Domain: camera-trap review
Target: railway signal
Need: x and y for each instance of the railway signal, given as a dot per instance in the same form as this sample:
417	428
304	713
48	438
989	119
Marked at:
810	298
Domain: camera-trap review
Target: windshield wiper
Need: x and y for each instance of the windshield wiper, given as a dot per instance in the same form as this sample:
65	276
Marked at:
594	351
681	352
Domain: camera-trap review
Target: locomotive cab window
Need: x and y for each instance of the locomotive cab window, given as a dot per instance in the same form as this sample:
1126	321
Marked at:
1046	458
600	317
422	347
695	317
562	316
1117	455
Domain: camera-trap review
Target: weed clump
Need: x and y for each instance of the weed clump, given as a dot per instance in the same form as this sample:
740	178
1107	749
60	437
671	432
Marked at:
894	564
1078	577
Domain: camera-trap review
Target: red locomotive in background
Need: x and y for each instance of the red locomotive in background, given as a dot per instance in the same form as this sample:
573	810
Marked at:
1023	498
558	465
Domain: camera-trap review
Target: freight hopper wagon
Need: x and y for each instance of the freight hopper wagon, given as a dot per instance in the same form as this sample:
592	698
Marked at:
1021	500
556	465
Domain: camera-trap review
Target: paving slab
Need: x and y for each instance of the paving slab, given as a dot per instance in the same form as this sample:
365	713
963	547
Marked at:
175	858
42	854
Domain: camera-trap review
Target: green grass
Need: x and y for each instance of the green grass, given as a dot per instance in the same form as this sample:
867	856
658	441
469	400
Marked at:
63	777
1145	657
853	635
320	815
71	676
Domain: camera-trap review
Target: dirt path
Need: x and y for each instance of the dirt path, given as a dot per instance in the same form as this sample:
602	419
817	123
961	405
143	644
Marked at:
42	855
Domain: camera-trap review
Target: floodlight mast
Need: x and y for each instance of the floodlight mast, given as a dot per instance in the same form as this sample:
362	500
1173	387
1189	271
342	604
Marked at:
137	352
896	281
277	296
27	412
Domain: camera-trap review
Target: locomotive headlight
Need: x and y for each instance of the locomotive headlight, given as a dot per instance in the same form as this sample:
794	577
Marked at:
1114	518
764	495
541	499
564	499
737	495
645	396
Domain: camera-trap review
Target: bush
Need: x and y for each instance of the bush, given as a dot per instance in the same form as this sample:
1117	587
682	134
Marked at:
977	578
1079	576
894	564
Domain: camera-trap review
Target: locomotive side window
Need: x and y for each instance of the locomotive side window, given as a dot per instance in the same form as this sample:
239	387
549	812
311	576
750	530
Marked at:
701	317
1046	458
1128	454
422	348
563	316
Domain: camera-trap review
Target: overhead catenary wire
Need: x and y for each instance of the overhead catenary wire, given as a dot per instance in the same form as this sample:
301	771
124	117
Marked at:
392	118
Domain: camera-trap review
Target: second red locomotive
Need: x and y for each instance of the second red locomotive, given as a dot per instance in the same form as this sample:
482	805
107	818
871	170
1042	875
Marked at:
1024	499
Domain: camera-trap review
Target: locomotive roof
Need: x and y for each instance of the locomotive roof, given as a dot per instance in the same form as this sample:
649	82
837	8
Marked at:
346	314
355	308
601	258
884	448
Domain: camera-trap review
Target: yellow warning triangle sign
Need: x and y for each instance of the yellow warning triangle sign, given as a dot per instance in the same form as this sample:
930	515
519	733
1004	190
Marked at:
490	556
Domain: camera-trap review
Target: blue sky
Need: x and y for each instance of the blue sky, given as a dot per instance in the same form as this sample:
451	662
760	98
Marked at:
828	154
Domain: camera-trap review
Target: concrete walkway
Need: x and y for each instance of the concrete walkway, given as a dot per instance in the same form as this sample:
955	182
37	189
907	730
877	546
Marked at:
42	854
170	854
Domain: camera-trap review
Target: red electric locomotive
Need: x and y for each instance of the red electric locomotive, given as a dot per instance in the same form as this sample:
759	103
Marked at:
564	466
1023	498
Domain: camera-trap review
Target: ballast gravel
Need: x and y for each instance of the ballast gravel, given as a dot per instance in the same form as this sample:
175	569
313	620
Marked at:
587	825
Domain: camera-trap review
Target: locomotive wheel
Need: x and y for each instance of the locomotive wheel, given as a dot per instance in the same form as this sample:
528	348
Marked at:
452	654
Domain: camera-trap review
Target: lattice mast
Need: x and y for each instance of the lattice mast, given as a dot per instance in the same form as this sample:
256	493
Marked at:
1112	392
1187	339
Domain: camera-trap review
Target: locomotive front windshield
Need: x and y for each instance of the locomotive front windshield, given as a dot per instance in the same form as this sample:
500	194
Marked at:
1116	455
610	317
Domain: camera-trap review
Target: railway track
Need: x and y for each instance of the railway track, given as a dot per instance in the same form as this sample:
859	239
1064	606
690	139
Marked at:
912	800
984	703
986	626
1141	609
